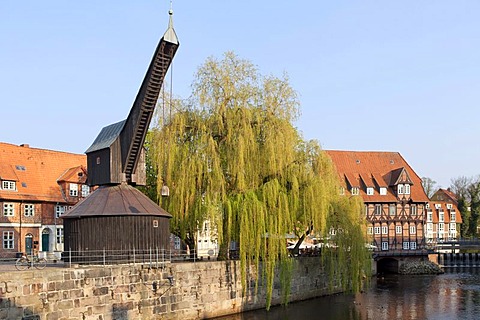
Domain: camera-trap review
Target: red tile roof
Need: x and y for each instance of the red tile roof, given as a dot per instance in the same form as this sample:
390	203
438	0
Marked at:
442	205
382	167
36	172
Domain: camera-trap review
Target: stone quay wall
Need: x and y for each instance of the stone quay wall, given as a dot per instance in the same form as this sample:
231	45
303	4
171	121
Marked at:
199	290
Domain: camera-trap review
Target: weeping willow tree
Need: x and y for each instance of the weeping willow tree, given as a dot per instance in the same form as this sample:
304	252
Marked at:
231	155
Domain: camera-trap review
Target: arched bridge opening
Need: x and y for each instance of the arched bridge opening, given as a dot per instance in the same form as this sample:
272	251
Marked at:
387	265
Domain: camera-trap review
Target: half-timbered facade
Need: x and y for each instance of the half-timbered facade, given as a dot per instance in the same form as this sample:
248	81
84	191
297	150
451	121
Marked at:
36	187
395	202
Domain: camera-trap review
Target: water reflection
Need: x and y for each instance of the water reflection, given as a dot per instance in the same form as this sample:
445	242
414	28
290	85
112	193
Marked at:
453	295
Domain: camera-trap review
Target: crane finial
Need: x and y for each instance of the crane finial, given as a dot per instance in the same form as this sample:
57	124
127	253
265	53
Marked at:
170	12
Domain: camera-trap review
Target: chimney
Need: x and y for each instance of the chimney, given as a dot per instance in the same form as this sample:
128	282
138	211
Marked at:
25	145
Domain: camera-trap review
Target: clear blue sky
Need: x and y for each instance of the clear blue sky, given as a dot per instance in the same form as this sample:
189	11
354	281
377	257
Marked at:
372	75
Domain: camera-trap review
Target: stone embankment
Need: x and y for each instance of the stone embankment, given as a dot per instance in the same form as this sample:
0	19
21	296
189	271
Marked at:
199	290
420	267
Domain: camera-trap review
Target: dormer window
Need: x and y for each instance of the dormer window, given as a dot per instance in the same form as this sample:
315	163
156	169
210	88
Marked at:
355	191
73	190
400	189
370	191
8	185
342	191
383	191
407	189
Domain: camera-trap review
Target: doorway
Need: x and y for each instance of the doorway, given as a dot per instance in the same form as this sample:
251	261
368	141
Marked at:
29	244
46	240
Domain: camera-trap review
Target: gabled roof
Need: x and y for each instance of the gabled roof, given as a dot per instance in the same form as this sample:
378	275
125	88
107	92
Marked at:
399	175
36	172
106	136
445	195
380	165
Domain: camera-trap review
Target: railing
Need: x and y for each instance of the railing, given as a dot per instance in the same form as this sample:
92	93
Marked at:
152	258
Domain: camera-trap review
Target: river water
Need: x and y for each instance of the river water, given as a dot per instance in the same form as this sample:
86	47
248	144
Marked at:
453	295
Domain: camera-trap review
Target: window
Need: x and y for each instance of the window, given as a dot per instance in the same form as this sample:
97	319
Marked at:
413	210
384	246
8	240
59	236
407	189
453	216
441	216
430	226
59	210
29	210
400	189
8	185
370	191
398	229
73	190
8	209
429	216
377	230
384	230
383	191
453	227
413	245
413	230
392	209
370	230
355	191
441	227
342	191
85	190
406	245
378	209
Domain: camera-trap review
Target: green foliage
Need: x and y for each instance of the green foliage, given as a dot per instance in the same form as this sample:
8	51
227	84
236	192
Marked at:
232	155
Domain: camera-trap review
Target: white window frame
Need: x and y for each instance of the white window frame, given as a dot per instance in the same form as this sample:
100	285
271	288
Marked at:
413	210
59	210
370	230
9	185
85	190
377	230
8	209
441	216
28	209
407	189
384	246
59	235
429	216
398	229
413	230
453	216
383	191
430	226
400	189
370	191
378	209
406	245
355	191
384	229
453	227
441	227
392	209
73	190
413	245
8	240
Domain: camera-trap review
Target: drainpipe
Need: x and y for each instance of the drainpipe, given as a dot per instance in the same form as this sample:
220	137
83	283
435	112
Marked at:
20	228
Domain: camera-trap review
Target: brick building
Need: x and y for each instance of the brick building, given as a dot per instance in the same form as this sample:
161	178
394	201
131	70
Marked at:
36	187
395	202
